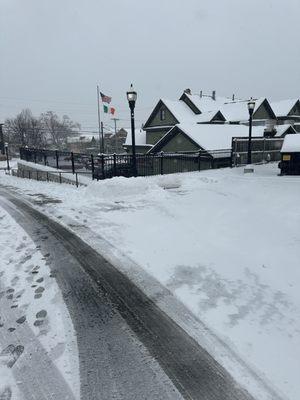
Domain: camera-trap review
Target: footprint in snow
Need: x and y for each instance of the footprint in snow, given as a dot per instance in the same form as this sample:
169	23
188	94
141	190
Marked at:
21	320
6	393
10	355
40	318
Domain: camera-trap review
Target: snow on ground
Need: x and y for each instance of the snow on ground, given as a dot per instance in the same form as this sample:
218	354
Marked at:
12	163
30	300
226	244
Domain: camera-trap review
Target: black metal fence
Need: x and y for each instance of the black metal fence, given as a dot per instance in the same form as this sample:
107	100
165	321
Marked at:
109	165
262	150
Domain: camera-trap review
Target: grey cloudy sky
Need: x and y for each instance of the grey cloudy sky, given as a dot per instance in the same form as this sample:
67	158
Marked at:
55	52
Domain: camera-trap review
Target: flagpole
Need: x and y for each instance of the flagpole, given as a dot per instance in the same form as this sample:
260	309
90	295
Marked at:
99	120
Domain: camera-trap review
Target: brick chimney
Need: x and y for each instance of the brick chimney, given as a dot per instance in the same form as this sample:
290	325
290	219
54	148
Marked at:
187	91
213	96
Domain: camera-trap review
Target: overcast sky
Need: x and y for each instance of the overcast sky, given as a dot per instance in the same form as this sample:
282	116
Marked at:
55	52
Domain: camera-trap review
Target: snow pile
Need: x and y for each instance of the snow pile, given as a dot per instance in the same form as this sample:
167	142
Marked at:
291	144
118	188
169	181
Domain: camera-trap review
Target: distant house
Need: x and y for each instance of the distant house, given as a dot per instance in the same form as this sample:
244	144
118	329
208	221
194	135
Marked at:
200	113
233	111
287	111
82	144
168	113
140	142
195	137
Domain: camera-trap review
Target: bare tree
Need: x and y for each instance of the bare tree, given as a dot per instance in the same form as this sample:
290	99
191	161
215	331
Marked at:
58	130
24	130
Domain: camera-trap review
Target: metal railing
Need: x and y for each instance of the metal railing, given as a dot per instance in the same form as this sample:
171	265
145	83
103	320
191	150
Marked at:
48	176
109	165
262	150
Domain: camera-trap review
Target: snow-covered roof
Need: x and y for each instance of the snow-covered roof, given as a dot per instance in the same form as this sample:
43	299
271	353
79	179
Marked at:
232	110
140	138
80	139
281	129
205	104
207	116
238	111
180	110
291	143
283	107
215	136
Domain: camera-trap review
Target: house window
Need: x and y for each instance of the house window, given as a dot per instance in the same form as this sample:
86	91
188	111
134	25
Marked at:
162	114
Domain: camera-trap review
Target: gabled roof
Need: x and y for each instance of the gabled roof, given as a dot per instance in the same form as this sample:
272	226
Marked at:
291	144
231	110
182	113
238	110
211	136
282	129
179	110
284	107
204	104
210	116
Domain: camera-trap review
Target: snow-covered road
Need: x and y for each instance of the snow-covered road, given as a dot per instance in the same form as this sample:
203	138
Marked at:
127	347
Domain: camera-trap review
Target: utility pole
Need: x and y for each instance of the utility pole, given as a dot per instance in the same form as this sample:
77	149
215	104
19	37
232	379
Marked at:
2	150
116	139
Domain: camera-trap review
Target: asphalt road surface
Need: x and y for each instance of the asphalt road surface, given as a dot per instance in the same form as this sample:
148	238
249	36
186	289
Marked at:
128	347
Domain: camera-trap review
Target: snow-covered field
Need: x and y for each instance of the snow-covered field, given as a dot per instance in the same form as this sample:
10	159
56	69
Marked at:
226	244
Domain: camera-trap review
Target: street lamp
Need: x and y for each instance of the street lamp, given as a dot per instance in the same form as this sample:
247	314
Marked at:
7	157
251	106
131	97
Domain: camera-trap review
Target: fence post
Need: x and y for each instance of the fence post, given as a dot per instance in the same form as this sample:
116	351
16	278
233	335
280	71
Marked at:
37	175
199	160
102	166
56	156
93	167
34	156
76	175
264	148
47	176
60	177
72	161
161	162
45	159
115	164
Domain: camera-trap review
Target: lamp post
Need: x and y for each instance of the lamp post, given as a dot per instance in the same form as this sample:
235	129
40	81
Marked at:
131	97
7	156
251	106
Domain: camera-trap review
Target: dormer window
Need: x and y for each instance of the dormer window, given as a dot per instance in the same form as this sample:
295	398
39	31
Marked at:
162	114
